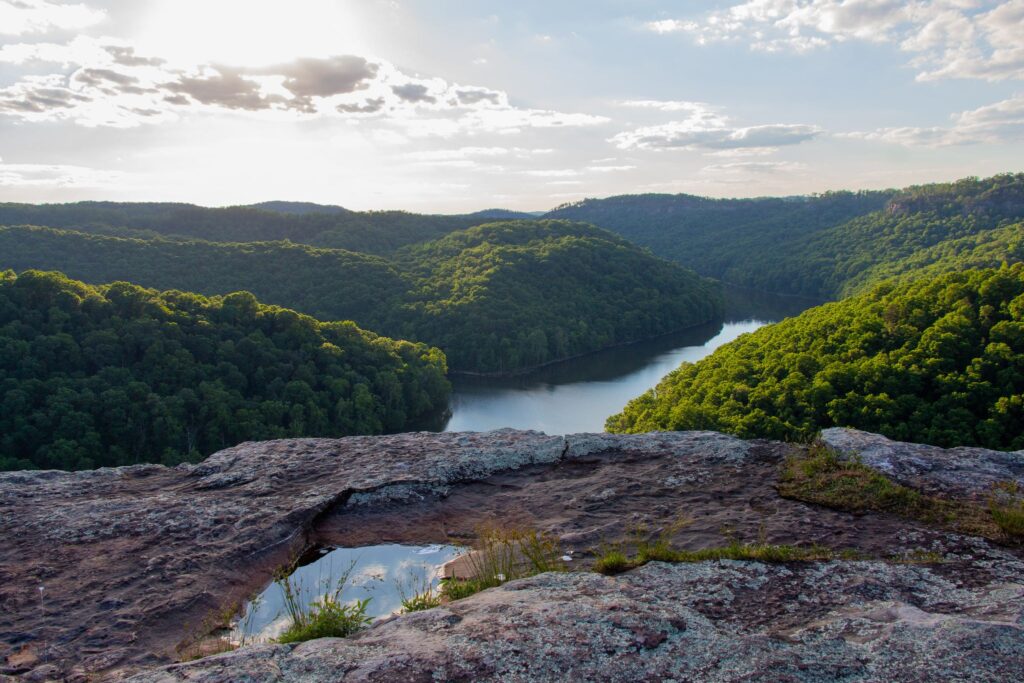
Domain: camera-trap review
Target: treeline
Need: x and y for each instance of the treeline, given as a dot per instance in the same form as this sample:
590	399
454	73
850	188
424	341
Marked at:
937	360
829	245
372	232
721	238
329	284
118	374
497	297
943	227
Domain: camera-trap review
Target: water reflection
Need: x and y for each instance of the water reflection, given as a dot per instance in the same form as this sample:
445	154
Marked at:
380	572
578	395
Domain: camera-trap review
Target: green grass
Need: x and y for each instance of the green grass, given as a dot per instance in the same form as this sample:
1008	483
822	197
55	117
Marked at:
325	617
418	594
1006	505
502	555
820	475
615	561
817	474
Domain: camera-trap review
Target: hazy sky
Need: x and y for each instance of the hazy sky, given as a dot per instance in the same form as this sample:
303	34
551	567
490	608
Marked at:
454	105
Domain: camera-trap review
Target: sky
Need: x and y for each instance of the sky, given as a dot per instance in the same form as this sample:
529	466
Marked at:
446	106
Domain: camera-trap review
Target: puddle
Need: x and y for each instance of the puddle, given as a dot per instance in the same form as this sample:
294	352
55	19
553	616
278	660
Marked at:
380	573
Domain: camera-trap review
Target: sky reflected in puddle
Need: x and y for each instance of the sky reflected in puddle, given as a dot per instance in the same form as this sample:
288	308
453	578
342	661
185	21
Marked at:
380	573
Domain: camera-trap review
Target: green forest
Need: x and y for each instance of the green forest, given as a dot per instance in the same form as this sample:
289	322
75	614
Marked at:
926	347
828	245
496	298
117	374
937	360
372	232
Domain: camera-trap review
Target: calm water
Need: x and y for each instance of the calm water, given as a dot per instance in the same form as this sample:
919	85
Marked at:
578	395
380	573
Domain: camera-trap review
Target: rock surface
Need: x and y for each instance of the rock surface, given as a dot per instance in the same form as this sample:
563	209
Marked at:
134	561
958	472
715	621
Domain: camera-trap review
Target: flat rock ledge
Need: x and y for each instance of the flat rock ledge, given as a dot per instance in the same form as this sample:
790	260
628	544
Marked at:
715	621
103	573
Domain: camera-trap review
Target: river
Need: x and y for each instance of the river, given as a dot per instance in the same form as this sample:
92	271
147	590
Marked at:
578	395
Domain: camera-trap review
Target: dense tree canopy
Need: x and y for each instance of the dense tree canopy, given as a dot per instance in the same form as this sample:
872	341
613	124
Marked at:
118	374
829	245
516	294
497	297
373	232
721	238
937	360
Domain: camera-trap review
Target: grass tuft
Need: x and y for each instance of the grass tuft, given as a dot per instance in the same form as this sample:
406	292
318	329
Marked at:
325	617
821	476
1006	505
418	594
503	555
612	561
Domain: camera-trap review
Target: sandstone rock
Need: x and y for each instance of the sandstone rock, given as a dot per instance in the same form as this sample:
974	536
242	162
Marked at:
135	560
957	472
716	621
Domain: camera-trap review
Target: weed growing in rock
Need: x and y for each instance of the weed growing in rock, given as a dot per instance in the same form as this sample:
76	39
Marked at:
616	562
820	475
918	557
325	617
503	555
1006	505
612	561
418	593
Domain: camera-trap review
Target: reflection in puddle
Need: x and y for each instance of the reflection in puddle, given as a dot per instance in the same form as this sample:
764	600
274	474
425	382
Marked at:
380	573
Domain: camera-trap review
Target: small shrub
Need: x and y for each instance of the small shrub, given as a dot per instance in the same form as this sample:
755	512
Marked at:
456	589
503	555
325	617
612	562
418	594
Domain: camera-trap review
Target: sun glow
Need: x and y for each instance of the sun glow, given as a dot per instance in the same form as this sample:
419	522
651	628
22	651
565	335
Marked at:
250	32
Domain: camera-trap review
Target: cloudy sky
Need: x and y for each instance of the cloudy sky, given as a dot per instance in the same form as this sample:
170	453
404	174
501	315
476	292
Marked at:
452	105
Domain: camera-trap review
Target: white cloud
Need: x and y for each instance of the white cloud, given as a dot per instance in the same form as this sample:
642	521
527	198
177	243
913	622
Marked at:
552	173
979	39
19	17
753	167
994	123
610	169
103	82
706	128
56	175
671	26
667	105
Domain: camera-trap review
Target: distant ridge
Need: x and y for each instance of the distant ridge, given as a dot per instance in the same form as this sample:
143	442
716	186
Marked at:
298	208
506	215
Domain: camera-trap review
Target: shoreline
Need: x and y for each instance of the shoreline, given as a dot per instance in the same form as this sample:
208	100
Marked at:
533	368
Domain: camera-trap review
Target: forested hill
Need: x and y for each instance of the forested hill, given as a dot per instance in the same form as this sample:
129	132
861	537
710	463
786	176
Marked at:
374	232
719	238
298	208
937	360
828	245
496	298
507	295
118	374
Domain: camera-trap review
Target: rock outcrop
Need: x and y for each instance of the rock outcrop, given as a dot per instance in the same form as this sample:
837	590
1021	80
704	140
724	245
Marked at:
721	621
965	472
104	573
